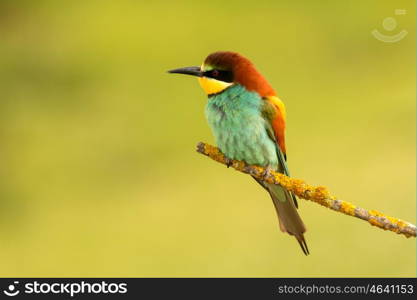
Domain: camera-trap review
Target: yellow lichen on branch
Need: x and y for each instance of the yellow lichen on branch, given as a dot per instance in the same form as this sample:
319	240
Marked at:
318	194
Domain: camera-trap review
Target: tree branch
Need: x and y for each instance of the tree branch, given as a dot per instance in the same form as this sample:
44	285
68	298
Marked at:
317	194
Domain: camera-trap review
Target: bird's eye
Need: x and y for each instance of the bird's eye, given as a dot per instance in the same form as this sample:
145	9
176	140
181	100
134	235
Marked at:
215	73
222	75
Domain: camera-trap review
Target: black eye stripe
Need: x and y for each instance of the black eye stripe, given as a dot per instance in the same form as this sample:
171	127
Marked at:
222	75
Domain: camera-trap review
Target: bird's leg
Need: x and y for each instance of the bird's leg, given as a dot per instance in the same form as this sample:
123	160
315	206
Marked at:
228	161
267	173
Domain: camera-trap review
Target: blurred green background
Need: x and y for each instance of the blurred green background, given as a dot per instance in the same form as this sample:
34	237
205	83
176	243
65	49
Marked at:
99	174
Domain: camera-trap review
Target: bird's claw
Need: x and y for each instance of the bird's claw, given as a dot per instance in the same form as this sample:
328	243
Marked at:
267	173
228	161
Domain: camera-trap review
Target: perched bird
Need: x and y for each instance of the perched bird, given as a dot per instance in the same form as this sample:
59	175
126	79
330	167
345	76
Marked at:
248	123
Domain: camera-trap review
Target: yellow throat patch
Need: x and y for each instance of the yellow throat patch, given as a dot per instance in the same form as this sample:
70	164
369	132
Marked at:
213	86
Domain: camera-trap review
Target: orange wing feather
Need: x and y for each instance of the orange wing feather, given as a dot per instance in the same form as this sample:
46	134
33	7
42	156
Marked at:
278	122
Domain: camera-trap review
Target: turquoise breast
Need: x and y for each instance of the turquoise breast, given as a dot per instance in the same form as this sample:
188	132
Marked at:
238	126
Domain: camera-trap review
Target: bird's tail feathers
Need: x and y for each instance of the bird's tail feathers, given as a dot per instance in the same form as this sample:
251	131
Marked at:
289	219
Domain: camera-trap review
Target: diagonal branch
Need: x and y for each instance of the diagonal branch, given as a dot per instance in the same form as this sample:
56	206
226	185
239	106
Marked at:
317	194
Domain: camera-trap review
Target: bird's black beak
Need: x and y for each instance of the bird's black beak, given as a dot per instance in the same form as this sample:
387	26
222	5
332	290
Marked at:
194	71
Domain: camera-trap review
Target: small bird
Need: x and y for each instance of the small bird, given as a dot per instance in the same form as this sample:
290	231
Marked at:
248	122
